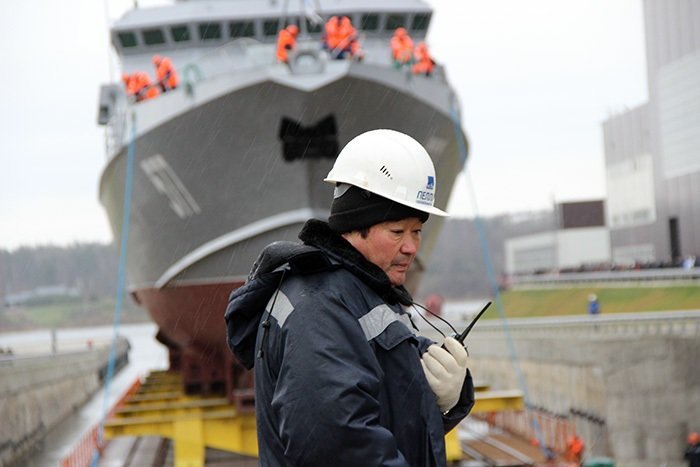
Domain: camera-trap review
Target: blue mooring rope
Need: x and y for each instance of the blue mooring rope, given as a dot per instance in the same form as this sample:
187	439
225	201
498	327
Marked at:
491	277
121	283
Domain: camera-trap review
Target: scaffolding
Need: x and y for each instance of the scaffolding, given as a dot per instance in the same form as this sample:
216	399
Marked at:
160	408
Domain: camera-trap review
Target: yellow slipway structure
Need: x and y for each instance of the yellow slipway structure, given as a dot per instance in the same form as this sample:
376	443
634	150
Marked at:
195	423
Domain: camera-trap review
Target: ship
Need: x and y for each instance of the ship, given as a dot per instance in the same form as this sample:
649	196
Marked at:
233	158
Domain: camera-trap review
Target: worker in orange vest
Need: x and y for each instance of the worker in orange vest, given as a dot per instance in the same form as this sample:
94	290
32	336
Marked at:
424	63
166	77
126	79
692	451
401	48
350	33
574	450
286	41
340	38
331	33
142	87
348	38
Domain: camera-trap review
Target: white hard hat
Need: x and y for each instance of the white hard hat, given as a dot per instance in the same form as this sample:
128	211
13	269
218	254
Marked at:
390	164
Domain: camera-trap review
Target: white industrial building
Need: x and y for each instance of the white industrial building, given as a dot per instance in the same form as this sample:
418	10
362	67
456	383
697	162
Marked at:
652	152
652	164
579	238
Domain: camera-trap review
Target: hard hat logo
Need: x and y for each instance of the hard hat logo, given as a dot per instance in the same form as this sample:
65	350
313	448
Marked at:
390	164
425	197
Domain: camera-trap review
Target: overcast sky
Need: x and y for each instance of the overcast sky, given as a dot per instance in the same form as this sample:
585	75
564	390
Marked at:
536	79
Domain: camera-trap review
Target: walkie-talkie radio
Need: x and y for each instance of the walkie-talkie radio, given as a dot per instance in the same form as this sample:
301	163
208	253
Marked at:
460	338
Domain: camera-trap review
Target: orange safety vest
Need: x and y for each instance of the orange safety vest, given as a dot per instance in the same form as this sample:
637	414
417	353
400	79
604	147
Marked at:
574	449
424	62
166	75
126	79
347	33
142	87
132	85
333	32
285	41
401	48
340	33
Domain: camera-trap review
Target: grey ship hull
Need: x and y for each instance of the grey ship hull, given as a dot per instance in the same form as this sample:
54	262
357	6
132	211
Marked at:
211	187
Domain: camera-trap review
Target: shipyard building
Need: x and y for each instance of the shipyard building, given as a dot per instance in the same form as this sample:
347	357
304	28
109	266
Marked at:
652	167
652	152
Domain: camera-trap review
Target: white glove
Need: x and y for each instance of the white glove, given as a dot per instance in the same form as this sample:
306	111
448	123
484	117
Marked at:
445	371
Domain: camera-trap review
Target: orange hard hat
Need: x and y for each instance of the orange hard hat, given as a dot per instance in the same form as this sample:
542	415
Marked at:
693	438
400	31
125	78
293	29
156	59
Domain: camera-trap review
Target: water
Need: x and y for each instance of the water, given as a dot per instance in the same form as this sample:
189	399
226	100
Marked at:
146	355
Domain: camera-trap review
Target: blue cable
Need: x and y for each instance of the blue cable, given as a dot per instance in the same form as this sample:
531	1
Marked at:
491	276
121	282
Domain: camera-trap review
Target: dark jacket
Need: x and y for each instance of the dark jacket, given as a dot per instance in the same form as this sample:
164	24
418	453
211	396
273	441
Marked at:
338	379
692	455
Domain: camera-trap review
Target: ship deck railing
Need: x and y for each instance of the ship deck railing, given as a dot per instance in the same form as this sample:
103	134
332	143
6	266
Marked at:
245	55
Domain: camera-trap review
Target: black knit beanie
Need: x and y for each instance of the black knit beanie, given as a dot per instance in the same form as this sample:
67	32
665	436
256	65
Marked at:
357	209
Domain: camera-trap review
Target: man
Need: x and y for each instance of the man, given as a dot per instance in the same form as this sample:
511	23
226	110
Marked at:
692	451
340	38
423	62
401	48
166	76
574	450
128	87
141	86
286	42
341	378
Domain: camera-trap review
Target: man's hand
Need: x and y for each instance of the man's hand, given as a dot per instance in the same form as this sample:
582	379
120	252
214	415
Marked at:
445	371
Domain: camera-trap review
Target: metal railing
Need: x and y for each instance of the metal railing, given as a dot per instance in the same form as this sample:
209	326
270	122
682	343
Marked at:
674	275
245	55
681	323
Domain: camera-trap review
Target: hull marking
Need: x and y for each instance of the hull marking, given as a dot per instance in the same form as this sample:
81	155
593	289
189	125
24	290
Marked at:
166	181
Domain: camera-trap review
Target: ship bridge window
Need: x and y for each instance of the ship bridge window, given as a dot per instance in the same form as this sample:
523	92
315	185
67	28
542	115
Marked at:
369	22
271	27
209	31
349	15
313	28
180	33
127	39
241	29
153	36
420	22
394	21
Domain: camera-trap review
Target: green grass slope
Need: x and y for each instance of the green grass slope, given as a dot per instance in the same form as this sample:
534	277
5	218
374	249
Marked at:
574	301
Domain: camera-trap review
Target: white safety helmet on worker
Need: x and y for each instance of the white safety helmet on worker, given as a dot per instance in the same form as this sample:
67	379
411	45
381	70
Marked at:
390	164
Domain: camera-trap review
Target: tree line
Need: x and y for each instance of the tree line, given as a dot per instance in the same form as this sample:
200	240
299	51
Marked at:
457	268
468	248
89	267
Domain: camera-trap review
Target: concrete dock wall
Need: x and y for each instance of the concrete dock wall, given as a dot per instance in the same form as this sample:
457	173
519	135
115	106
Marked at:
38	392
630	383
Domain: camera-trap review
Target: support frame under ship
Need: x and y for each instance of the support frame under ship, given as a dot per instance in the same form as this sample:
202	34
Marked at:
234	158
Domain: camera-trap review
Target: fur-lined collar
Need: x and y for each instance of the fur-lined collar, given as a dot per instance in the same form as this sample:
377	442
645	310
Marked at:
318	234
